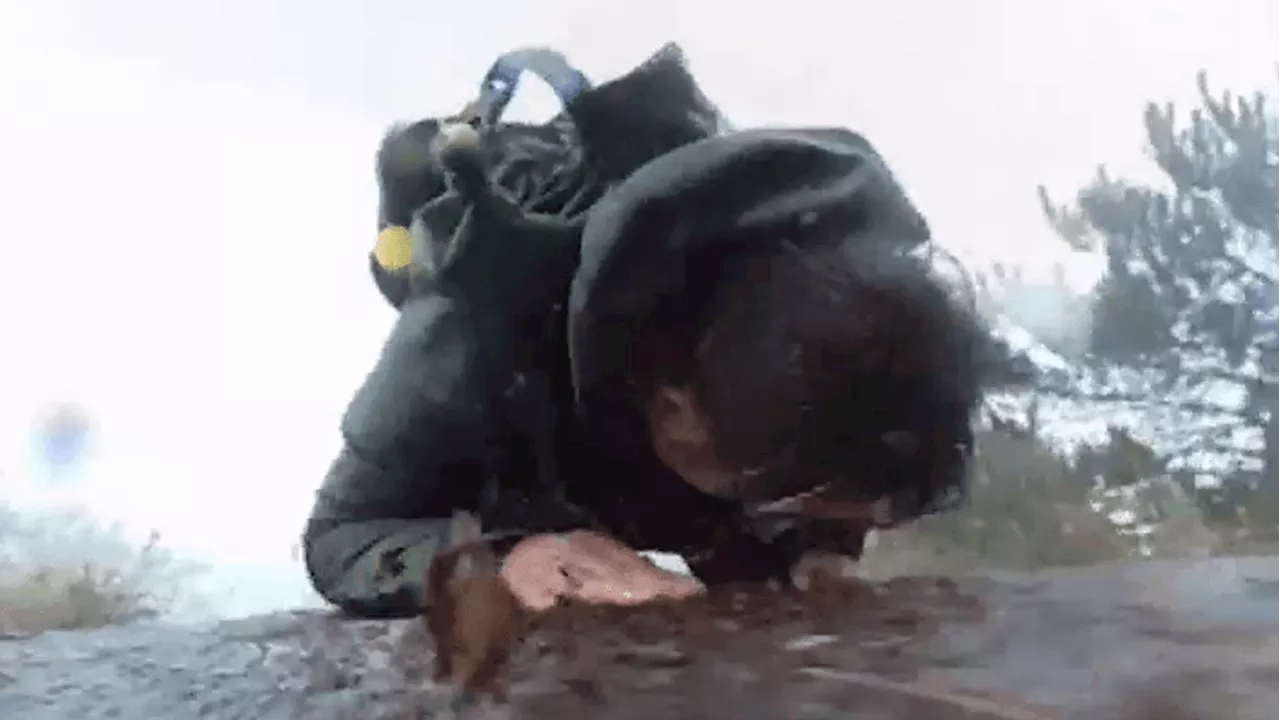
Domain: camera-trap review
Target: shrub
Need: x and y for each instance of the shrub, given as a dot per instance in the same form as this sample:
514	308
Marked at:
1029	508
62	569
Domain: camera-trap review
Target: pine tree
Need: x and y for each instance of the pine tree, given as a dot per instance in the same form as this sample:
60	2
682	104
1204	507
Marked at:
1191	288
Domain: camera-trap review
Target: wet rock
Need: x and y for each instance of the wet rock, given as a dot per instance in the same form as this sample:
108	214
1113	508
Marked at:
1174	641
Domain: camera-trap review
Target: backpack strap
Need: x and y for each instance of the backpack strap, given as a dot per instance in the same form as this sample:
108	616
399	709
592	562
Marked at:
503	79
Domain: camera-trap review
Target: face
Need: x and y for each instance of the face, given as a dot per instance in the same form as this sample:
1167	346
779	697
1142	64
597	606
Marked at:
682	439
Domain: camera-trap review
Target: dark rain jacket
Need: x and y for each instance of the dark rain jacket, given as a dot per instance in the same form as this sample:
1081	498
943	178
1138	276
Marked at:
524	416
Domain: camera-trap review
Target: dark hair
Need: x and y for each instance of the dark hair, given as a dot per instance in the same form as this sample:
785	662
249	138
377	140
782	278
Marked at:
840	364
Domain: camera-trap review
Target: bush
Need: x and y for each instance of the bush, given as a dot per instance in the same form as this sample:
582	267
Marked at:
61	569
1031	509
1028	508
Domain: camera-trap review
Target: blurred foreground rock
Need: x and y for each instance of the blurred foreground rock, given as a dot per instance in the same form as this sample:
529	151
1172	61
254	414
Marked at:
1167	640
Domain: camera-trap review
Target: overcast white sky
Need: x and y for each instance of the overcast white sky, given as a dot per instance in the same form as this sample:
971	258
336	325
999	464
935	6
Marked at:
186	196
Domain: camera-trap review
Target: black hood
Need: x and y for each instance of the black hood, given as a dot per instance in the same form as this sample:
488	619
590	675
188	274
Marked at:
742	190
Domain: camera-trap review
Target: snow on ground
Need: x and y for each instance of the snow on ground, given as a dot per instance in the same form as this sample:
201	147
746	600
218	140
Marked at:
1194	423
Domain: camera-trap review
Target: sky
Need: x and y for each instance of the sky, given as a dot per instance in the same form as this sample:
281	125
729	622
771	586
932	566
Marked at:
187	198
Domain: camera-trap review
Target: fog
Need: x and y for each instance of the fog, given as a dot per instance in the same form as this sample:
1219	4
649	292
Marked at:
187	199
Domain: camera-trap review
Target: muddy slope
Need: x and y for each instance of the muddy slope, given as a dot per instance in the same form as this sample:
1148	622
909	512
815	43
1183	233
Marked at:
1156	640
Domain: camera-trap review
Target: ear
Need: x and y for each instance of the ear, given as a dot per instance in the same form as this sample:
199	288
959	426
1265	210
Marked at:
675	416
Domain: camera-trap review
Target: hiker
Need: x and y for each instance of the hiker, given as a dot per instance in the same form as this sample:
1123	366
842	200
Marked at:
633	329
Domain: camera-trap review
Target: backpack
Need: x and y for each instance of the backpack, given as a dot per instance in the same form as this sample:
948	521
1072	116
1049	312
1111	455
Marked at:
494	211
546	176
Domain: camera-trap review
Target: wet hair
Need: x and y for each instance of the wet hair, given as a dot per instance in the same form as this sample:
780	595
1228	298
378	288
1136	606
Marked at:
845	364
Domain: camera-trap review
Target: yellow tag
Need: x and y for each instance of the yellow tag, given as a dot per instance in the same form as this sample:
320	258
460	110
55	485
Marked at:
394	249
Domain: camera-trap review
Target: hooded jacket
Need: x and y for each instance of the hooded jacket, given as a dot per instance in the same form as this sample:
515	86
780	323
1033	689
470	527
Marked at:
437	426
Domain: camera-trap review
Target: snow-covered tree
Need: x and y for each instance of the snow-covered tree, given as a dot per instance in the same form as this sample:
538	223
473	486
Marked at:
1189	302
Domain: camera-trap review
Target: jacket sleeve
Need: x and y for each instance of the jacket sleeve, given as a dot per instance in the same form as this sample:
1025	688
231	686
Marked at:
416	436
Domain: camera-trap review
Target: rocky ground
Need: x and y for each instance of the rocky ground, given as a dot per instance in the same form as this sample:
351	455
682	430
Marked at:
1152	640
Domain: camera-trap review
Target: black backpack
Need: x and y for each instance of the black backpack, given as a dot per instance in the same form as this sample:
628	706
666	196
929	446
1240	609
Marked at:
530	180
494	211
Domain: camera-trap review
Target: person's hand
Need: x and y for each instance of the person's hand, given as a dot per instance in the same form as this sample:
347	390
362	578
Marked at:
588	567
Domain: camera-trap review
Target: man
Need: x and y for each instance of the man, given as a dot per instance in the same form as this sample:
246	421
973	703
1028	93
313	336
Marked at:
723	345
